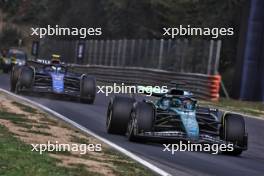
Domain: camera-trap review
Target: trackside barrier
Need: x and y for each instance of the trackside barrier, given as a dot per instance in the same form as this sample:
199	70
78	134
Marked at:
203	86
215	87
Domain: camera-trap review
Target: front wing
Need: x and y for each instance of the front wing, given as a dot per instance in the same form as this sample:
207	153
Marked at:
178	136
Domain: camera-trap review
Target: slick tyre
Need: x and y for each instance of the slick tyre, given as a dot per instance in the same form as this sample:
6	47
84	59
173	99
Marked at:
234	131
88	90
118	114
15	72
24	79
141	120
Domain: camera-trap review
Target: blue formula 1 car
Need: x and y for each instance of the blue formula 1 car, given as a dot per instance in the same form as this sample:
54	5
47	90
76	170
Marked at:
53	78
175	115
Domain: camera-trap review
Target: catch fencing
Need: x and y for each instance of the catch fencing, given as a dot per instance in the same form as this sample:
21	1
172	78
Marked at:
144	62
182	55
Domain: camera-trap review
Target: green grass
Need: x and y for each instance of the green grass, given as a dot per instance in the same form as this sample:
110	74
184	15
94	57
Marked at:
23	125
123	168
18	119
79	140
246	107
48	120
17	159
25	108
13	117
42	126
65	153
37	132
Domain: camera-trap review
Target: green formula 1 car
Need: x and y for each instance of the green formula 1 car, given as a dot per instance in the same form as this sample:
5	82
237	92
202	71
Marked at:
175	116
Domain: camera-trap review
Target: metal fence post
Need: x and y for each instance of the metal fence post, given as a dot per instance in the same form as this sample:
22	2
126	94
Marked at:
139	53
132	52
153	53
217	56
161	53
211	48
124	52
100	62
94	59
146	53
112	53
106	52
119	52
90	48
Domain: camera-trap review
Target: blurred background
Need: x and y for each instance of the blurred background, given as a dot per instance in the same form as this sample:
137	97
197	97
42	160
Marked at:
132	36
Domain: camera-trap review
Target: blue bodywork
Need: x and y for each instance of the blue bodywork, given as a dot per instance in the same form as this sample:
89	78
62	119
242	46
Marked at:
57	74
56	79
57	82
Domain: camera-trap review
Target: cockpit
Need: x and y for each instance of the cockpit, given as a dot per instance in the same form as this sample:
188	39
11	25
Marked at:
184	103
55	69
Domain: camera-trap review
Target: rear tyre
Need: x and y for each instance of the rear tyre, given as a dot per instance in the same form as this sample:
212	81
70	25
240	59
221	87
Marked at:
233	130
141	120
118	113
88	90
24	79
14	77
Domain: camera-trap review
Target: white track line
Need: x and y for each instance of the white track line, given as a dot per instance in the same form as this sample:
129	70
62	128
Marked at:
117	147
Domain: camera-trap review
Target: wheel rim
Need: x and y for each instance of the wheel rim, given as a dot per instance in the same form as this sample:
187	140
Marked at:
17	88
130	126
109	118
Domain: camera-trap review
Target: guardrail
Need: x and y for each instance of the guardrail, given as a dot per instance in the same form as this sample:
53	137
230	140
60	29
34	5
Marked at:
203	86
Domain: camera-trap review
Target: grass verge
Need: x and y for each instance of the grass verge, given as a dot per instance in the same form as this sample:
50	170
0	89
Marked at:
245	107
17	159
22	125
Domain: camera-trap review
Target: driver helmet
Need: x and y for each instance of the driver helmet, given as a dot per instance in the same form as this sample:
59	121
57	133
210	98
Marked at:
188	104
166	103
55	59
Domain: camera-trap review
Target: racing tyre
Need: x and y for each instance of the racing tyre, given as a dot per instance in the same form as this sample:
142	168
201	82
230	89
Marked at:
118	113
234	131
25	79
141	120
14	77
88	90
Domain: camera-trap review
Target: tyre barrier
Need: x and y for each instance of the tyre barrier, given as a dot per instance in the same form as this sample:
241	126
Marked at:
203	86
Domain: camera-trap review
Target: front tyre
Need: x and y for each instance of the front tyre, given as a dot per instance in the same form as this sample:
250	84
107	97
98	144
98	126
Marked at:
233	130
22	77
118	113
141	120
15	72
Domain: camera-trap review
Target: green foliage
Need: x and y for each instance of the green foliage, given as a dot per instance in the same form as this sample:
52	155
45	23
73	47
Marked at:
10	6
135	18
9	36
127	18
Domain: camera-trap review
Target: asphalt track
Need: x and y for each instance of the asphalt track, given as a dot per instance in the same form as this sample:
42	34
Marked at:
250	163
